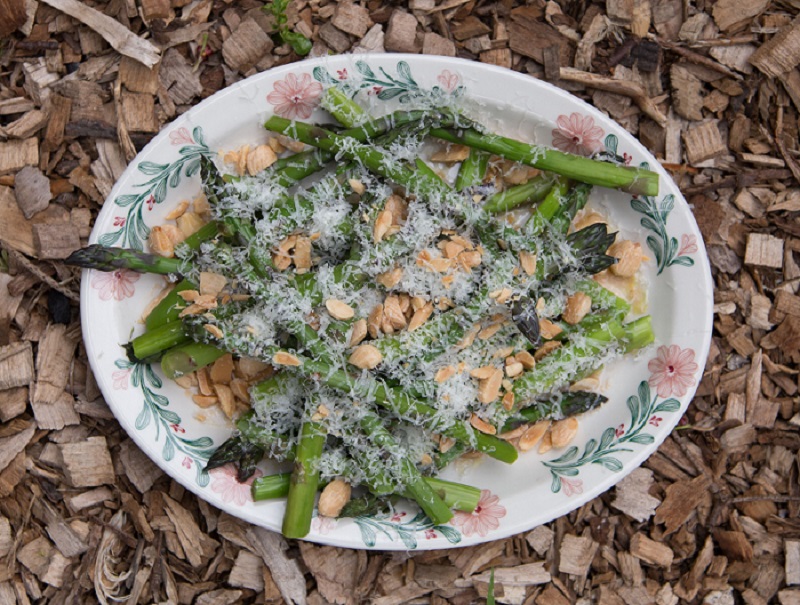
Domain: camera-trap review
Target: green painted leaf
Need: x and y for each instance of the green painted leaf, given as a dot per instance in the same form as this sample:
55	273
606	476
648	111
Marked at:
555	485
321	75
611	464
169	416
126	200
642	439
633	408
202	475
648	223
389	93
589	449
667	204
191	168
168	451
639	206
175	179
451	533
655	246
109	239
152	377
607	438
151	168
364	69
200	442
611	143
644	394
407	537
143	419
668	405
367	533
645	165
567	456
686	261
197	135
405	72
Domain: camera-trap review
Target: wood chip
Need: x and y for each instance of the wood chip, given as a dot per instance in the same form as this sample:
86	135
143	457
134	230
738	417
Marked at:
764	250
87	464
633	495
271	547
16	365
650	551
703	142
576	554
780	53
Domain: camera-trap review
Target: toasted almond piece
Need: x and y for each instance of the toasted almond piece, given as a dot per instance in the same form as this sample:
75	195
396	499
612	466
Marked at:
533	435
503	295
241	160
250	367
445	373
226	399
448	280
204	382
390	279
443	303
629	258
508	401
359	332
393	312
548	329
546	444
515	369
382	224
200	205
452	249
291	144
375	320
563	432
585	218
187	381
162	240
213	330
577	307
540	304
527	260
513	433
439	265
386	326
462	241
423	258
212	283
192	310
221	371
426	459
182	207
398	207
339	309
417	302
260	158
282	358
451	153
189	295
469	337
333	498
469	259
517	174
276	145
240	389
206	302
489	389
445	443
481	425
420	316
366	357
302	253
323	410
205	401
188	223
405	303
490	330
546	349
356	186
483	372
526	359
590	383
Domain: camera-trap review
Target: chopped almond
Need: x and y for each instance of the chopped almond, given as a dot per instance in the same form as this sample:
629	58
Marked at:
533	435
546	349
359	332
527	261
420	316
339	309
221	371
382	224
548	329
445	373
182	207
213	330
211	283
489	389
282	358
390	279
366	357
481	425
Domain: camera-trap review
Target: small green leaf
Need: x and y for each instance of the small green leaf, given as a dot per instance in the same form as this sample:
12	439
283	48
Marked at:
555	485
452	534
686	261
642	439
151	168
607	438
668	405
611	464
367	533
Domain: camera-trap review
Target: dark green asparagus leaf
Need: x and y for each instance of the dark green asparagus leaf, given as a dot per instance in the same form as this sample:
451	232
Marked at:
364	505
523	313
578	402
245	454
590	245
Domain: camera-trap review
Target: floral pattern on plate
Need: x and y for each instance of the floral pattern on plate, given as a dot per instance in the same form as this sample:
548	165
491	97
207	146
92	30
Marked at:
295	97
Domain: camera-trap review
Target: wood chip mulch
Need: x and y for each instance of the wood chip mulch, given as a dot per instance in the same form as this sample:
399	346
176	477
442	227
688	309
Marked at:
711	87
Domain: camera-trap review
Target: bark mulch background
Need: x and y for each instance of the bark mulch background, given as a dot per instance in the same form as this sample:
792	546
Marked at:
711	87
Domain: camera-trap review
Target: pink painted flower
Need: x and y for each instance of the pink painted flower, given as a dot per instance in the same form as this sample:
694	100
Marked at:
397	517
342	73
430	533
484	518
577	134
619	431
187	462
295	97
627	158
655	420
115	284
180	136
376	90
672	371
177	428
571	486
150	201
448	80
225	483
119	221
323	525
120	378
688	244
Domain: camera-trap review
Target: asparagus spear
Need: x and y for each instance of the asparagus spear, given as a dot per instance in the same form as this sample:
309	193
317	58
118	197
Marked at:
527	193
304	480
472	170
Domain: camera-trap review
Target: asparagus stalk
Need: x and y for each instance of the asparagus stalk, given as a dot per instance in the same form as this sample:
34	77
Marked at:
472	170
169	308
105	258
188	357
304	480
527	193
156	341
605	174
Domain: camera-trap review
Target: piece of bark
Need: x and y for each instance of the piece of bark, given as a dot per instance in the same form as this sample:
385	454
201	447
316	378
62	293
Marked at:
13	445
738	131
88	499
12	16
17	154
137	77
528	36
334	38
38	80
16	105
56	415
668	18
762	161
738	439
177	76
335	569
650	551
434	44
28	125
792	557
734	544
248	571
117	35
732	14
140	114
32	190
736	56
734	410
352	19
53	360
155	9
52	241
681	502
499	56
44	561
13	403
6	540
471	27
576	554
271	547
16	365
88	463
632	495
540	539
764	250
140	470
686	93
470	560
401	33
246	45
703	142
373	41
780	53
66	540
60	109
198	545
